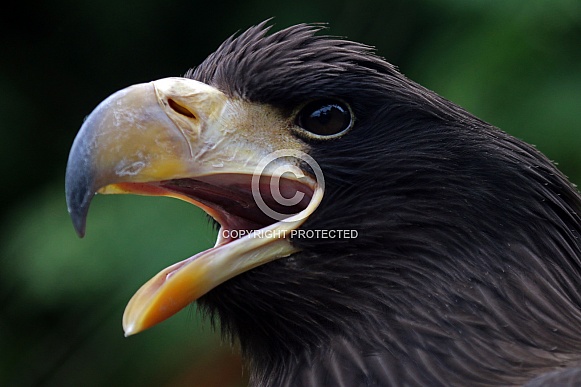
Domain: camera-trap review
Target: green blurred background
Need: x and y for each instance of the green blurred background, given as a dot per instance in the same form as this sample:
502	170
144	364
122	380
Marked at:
513	63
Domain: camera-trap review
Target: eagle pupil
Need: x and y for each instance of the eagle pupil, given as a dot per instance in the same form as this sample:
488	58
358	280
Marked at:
324	117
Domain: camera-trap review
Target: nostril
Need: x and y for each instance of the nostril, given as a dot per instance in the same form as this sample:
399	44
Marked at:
184	111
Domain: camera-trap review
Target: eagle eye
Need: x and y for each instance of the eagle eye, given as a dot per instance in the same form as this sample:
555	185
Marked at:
325	118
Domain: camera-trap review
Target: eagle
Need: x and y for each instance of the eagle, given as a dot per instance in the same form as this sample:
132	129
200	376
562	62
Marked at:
370	232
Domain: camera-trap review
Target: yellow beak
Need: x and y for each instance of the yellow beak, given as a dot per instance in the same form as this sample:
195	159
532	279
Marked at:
181	138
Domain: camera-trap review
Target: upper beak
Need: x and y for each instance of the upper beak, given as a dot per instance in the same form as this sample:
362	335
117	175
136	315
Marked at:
182	138
146	132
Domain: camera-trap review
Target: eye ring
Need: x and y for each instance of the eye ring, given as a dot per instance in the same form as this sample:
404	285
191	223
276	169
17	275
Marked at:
324	118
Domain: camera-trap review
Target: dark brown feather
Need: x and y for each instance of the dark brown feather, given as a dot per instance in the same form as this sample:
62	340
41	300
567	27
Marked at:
467	267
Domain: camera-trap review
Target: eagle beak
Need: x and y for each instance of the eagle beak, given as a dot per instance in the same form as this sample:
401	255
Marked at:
181	138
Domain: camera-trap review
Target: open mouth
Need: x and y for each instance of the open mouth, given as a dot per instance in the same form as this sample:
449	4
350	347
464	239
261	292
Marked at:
229	200
245	230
